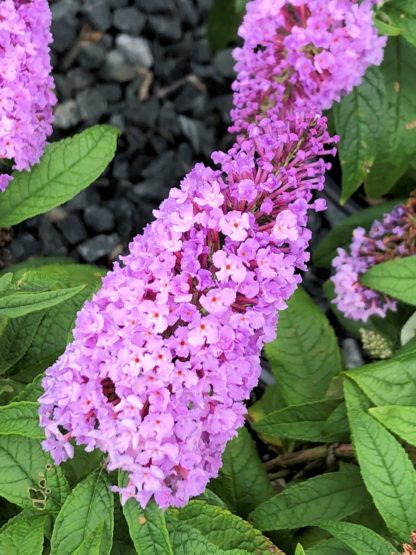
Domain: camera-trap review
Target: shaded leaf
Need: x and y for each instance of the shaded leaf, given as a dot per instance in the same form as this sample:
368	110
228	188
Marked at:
361	540
66	167
401	15
396	278
20	303
242	483
385	466
21	419
22	535
400	420
305	357
89	504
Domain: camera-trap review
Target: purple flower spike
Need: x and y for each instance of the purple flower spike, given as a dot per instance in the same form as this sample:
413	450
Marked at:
303	54
26	87
168	350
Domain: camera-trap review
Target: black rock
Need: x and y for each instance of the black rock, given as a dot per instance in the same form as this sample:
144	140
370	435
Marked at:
124	215
99	218
67	115
24	246
52	243
98	247
117	69
80	78
224	63
168	120
92	55
98	12
187	99
129	20
164	169
118	3
72	229
154	6
187	11
92	105
64	86
143	114
165	27
136	50
83	199
64	24
112	92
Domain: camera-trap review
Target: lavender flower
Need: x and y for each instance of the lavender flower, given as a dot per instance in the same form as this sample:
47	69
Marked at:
166	353
303	54
26	87
391	238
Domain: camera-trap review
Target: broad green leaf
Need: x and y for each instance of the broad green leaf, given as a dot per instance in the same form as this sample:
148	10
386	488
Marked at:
397	140
300	550
240	5
358	122
334	495
20	303
400	420
5	281
408	330
242	483
9	389
23	535
305	357
91	545
396	278
66	167
54	331
223	22
21	419
16	338
389	382
211	498
188	540
223	529
361	540
89	504
329	547
147	527
24	466
307	422
385	466
401	15
32	391
341	235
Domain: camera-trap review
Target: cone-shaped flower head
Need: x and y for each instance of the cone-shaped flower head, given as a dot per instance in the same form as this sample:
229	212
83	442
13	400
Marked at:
302	54
26	87
168	350
393	237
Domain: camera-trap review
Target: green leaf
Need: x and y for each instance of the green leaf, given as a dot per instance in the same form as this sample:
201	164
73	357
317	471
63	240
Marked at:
89	504
396	278
20	303
401	15
66	167
361	540
397	140
341	235
385	466
334	495
188	540
305	357
300	550
16	338
147	527
400	420
23	535
54	330
408	332
240	5
5	281
91	545
357	121
223	22
32	391
21	419
307	422
242	483
24	466
329	547
389	382
221	528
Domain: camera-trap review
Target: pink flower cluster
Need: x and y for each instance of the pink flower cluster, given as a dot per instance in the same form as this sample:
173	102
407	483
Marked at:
26	87
166	353
391	238
303	54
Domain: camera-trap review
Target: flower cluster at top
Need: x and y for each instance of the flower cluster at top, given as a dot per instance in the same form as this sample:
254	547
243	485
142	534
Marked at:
26	87
302	54
166	353
393	237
